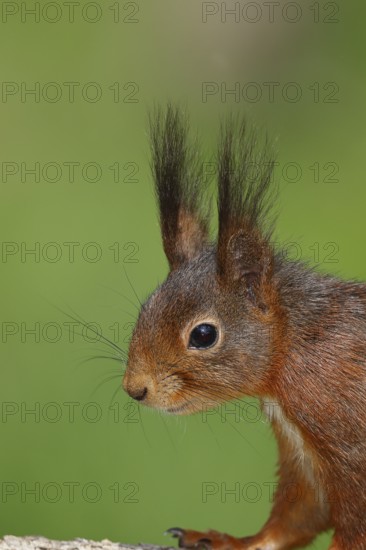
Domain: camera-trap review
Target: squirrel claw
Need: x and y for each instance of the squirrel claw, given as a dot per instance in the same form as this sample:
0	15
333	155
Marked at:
175	532
185	541
211	540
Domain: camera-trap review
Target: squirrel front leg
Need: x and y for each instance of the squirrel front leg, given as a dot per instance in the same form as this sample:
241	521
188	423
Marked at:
299	513
300	509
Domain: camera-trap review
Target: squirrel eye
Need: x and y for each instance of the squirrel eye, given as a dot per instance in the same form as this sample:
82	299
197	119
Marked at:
203	336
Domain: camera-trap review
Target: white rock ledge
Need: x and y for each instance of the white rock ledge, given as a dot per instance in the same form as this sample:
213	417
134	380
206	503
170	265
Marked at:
41	543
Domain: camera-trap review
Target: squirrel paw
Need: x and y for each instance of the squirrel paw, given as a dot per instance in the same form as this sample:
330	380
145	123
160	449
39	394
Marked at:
209	540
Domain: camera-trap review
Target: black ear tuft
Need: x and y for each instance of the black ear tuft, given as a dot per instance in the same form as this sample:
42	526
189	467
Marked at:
246	194
179	185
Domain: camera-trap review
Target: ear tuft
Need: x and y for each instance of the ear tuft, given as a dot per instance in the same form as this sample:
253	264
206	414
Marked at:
179	186
244	253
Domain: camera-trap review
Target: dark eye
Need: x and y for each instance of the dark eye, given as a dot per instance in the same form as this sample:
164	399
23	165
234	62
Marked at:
203	336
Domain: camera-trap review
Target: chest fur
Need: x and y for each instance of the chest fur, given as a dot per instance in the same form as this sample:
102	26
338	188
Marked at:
302	456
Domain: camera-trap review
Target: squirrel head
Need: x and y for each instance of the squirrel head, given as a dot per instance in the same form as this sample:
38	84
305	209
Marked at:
207	334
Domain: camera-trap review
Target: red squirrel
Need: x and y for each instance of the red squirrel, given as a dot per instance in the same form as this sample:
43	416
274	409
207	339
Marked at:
236	317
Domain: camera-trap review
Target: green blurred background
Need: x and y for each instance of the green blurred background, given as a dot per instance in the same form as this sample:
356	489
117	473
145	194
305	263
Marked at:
109	470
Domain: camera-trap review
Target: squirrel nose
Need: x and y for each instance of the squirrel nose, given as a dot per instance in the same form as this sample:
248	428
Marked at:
138	393
139	386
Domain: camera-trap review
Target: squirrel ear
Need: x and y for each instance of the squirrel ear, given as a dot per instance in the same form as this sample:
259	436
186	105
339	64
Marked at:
185	238
243	257
179	187
246	262
244	252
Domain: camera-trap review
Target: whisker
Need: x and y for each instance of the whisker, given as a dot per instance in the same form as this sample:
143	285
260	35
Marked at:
112	352
103	382
131	285
123	296
88	359
213	434
117	352
114	395
142	426
167	430
79	319
87	326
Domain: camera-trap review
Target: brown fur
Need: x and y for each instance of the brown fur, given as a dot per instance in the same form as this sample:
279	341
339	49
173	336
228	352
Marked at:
287	334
